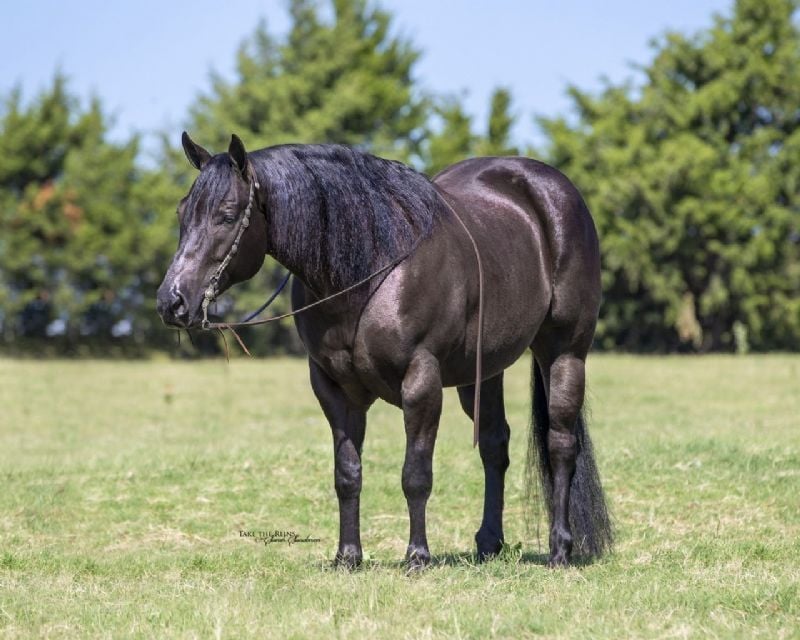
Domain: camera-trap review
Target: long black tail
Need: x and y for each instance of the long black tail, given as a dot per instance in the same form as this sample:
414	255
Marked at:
592	531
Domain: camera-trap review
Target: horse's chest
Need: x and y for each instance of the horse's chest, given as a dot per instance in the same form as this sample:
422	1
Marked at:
327	344
335	358
338	364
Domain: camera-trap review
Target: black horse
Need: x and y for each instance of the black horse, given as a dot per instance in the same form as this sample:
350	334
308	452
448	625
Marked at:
333	215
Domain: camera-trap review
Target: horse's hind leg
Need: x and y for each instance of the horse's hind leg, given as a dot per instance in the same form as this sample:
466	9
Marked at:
422	406
566	377
570	480
348	424
493	445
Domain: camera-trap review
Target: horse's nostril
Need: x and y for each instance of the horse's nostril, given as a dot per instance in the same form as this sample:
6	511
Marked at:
178	307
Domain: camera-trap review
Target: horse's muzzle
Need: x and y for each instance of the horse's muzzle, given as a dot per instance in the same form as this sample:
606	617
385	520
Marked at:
173	308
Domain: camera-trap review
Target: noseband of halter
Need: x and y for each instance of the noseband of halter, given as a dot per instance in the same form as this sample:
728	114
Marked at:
212	290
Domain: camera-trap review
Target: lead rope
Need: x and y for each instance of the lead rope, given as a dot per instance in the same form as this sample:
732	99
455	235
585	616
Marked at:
476	407
211	293
252	323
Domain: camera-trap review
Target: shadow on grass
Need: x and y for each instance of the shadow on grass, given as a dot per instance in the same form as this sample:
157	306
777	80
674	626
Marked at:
509	555
460	558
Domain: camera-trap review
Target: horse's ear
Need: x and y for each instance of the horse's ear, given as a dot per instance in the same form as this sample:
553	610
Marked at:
238	155
196	155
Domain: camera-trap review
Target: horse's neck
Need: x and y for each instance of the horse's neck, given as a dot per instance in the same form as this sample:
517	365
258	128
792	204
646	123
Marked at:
319	283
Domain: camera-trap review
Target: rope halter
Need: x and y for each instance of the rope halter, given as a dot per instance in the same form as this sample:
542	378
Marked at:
212	291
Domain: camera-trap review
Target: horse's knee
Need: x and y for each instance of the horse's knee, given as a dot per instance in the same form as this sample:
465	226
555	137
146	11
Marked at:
417	480
347	476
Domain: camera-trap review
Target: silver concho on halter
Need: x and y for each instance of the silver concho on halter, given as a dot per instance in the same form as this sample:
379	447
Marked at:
211	291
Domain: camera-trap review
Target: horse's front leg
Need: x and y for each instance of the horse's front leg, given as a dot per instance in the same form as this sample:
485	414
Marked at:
348	424
422	406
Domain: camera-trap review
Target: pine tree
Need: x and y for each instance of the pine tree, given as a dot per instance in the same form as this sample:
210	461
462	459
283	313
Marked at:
345	81
453	141
82	239
693	179
451	137
497	141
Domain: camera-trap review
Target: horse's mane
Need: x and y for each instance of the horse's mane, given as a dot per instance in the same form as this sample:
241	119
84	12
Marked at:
341	212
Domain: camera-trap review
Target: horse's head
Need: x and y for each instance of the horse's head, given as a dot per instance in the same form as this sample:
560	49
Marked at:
210	218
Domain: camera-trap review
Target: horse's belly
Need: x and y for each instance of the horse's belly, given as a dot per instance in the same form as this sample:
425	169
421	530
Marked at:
516	292
430	303
504	340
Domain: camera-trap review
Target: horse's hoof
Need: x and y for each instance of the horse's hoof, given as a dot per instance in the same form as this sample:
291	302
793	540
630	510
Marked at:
484	555
417	558
416	565
488	546
558	560
348	557
560	548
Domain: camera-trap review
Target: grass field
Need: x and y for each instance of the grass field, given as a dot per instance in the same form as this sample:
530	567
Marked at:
125	487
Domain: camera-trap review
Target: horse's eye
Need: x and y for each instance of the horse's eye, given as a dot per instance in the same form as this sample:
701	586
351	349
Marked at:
229	218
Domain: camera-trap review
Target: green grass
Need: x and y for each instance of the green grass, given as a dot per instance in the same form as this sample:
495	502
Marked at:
125	486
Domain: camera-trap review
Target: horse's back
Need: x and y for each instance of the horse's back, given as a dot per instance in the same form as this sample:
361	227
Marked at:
567	237
540	190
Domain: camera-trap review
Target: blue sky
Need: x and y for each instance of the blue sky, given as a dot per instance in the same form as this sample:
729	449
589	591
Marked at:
149	59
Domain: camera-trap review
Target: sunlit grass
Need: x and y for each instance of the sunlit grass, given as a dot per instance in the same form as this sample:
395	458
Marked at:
125	487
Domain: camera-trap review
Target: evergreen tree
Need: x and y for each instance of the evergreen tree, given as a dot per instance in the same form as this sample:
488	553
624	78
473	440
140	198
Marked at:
453	141
345	81
451	137
83	229
693	179
497	141
691	174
